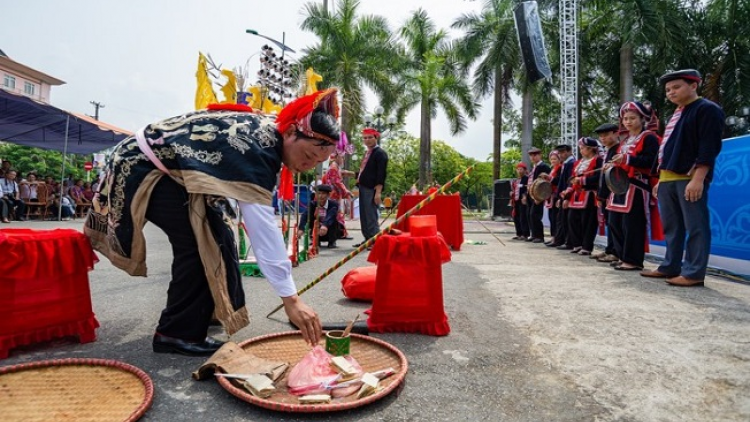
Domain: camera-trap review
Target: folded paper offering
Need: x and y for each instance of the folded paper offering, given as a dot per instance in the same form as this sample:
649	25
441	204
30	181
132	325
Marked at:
233	359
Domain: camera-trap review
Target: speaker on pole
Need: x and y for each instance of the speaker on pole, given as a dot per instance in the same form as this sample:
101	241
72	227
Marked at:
530	37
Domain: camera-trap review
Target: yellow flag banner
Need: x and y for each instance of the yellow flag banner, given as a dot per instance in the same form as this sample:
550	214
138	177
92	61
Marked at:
230	88
204	94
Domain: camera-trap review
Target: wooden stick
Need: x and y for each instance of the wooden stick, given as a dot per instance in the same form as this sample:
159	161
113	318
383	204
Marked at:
371	241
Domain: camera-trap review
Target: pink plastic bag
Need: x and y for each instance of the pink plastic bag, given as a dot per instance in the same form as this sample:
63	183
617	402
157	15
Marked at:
314	374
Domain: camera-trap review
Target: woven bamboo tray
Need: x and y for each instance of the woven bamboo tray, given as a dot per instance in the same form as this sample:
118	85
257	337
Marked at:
372	354
80	390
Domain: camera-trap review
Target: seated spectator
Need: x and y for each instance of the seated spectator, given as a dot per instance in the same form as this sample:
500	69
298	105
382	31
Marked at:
64	202
29	187
11	196
88	192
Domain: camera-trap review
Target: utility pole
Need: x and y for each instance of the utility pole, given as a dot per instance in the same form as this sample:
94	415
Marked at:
97	105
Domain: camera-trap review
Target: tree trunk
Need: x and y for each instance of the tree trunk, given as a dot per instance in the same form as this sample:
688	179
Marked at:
497	125
346	123
425	146
527	120
626	73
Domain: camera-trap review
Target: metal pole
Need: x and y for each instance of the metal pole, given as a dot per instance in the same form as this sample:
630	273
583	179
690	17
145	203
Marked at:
62	170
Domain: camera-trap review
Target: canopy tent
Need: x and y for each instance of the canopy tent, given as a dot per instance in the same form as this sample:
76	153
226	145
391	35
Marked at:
27	122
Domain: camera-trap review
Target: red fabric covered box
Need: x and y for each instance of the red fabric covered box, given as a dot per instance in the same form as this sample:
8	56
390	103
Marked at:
409	285
446	209
44	287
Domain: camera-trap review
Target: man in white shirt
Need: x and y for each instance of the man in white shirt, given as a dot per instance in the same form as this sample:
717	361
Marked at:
12	195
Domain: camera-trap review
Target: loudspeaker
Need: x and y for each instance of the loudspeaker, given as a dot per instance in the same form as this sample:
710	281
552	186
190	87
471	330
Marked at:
501	199
530	37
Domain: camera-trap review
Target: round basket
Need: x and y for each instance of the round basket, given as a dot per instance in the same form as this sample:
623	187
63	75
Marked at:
81	390
372	354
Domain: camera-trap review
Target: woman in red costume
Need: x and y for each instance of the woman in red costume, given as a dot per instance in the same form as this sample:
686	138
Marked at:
629	212
334	178
581	197
551	203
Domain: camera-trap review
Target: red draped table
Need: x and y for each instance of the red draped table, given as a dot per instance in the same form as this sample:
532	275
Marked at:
44	287
447	209
409	285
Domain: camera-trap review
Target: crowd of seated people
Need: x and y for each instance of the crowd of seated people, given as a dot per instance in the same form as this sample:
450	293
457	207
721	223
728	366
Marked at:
28	197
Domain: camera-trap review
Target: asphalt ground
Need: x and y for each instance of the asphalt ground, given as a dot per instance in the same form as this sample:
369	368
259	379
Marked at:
536	335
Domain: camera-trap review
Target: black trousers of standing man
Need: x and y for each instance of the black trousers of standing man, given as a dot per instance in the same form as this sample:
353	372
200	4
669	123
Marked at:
189	301
536	213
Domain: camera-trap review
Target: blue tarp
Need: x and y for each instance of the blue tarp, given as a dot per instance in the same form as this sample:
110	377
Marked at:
27	122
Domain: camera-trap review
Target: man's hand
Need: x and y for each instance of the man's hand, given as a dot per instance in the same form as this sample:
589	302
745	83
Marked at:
694	190
523	200
304	318
566	204
323	230
655	191
377	198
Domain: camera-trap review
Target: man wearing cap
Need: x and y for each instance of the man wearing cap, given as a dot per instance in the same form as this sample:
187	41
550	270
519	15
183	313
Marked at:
687	155
518	187
326	212
561	237
608	136
177	174
536	209
371	180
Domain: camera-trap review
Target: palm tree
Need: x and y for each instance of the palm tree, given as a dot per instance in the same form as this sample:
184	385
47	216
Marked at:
491	42
350	55
431	78
726	53
647	32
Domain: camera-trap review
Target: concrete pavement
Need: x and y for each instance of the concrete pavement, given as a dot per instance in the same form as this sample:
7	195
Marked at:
537	335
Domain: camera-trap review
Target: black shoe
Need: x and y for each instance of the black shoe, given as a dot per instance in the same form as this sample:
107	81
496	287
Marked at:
529	239
537	241
164	344
564	247
332	246
348	238
553	245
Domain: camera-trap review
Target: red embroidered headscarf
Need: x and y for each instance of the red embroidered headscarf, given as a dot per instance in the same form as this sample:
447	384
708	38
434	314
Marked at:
300	113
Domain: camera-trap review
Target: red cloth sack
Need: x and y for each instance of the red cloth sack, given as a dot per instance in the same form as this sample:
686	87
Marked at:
359	283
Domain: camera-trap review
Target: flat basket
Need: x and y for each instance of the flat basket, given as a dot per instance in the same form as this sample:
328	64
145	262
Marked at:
372	354
80	390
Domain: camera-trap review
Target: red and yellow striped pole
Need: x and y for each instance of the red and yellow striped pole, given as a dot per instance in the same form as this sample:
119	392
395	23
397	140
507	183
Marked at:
371	241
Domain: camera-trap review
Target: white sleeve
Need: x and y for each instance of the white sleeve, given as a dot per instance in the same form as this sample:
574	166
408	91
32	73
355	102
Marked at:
268	246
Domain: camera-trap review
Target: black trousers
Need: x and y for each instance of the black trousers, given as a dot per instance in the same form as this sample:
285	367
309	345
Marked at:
332	235
582	225
552	214
189	302
610	248
521	219
14	204
629	232
563	217
536	213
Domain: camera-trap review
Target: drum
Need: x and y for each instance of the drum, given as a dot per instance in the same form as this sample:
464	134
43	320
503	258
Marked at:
617	180
540	190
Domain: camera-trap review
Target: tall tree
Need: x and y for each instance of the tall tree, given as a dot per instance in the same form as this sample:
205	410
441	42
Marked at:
645	32
350	55
491	43
431	78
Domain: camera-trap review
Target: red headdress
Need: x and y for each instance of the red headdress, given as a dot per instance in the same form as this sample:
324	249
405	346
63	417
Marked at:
371	131
299	112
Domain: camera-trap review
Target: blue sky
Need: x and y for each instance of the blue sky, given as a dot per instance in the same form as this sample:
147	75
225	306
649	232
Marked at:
139	57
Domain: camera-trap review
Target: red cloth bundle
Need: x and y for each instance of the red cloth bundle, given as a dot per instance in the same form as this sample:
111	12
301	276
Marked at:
359	283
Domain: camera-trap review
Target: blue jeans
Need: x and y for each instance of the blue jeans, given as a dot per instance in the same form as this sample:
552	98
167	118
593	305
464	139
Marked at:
687	229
